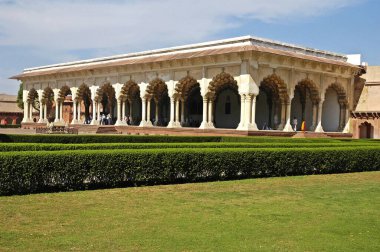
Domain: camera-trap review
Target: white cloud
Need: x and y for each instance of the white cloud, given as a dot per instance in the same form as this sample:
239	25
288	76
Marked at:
81	24
52	31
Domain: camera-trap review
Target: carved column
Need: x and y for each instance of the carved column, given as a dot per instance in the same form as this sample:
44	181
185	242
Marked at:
204	114
143	111
41	111
79	112
242	125
283	116
315	111
118	112
288	126
172	122
148	109
211	113
94	109
56	110
74	112
26	113
123	105
61	112
45	113
177	121
253	113
319	127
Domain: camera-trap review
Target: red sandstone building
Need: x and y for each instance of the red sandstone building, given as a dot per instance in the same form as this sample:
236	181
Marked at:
365	118
10	113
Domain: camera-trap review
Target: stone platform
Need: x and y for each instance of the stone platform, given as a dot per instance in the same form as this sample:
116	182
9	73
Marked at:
187	131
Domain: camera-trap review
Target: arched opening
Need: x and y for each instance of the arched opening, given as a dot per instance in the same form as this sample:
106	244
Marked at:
365	130
84	102
160	103
272	96
306	97
224	93
130	94
65	97
106	97
48	100
18	120
8	121
332	108
191	107
35	104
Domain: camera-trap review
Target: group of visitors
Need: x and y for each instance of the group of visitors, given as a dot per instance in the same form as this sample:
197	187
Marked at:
106	119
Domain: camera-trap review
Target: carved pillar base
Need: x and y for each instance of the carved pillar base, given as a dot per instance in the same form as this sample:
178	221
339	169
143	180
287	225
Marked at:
347	128
146	124
288	127
319	127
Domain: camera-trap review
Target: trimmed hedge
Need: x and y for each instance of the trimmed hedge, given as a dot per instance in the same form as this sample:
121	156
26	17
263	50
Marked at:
30	172
66	139
5	147
10	126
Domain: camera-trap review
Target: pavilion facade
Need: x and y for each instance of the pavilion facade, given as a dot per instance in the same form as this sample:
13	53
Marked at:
243	83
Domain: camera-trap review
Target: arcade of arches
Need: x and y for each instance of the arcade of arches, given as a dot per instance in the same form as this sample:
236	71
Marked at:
186	103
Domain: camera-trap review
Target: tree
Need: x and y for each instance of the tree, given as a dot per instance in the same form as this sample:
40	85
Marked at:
20	102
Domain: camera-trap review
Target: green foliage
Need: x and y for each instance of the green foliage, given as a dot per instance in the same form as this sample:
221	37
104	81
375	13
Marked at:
19	99
5	147
33	171
66	139
10	126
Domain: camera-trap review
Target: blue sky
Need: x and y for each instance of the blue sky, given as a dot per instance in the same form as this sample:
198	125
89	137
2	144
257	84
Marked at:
40	32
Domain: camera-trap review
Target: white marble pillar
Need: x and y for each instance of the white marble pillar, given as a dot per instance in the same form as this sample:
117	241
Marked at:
30	112
204	124
171	122
242	125
319	127
40	120
144	122
98	112
148	110
61	112
253	113
79	112
74	121
210	113
288	126
177	120
118	112
123	105
56	119
45	113
26	113
248	107
94	106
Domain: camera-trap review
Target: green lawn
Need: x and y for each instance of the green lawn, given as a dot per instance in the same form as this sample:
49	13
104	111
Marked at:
309	213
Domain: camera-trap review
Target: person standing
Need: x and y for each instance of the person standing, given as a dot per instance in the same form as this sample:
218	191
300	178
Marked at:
295	122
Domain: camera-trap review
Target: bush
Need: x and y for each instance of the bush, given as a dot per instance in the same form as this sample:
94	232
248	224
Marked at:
10	126
65	139
30	172
98	146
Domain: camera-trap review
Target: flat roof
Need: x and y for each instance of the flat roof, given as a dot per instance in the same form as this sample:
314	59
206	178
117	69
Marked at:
238	44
